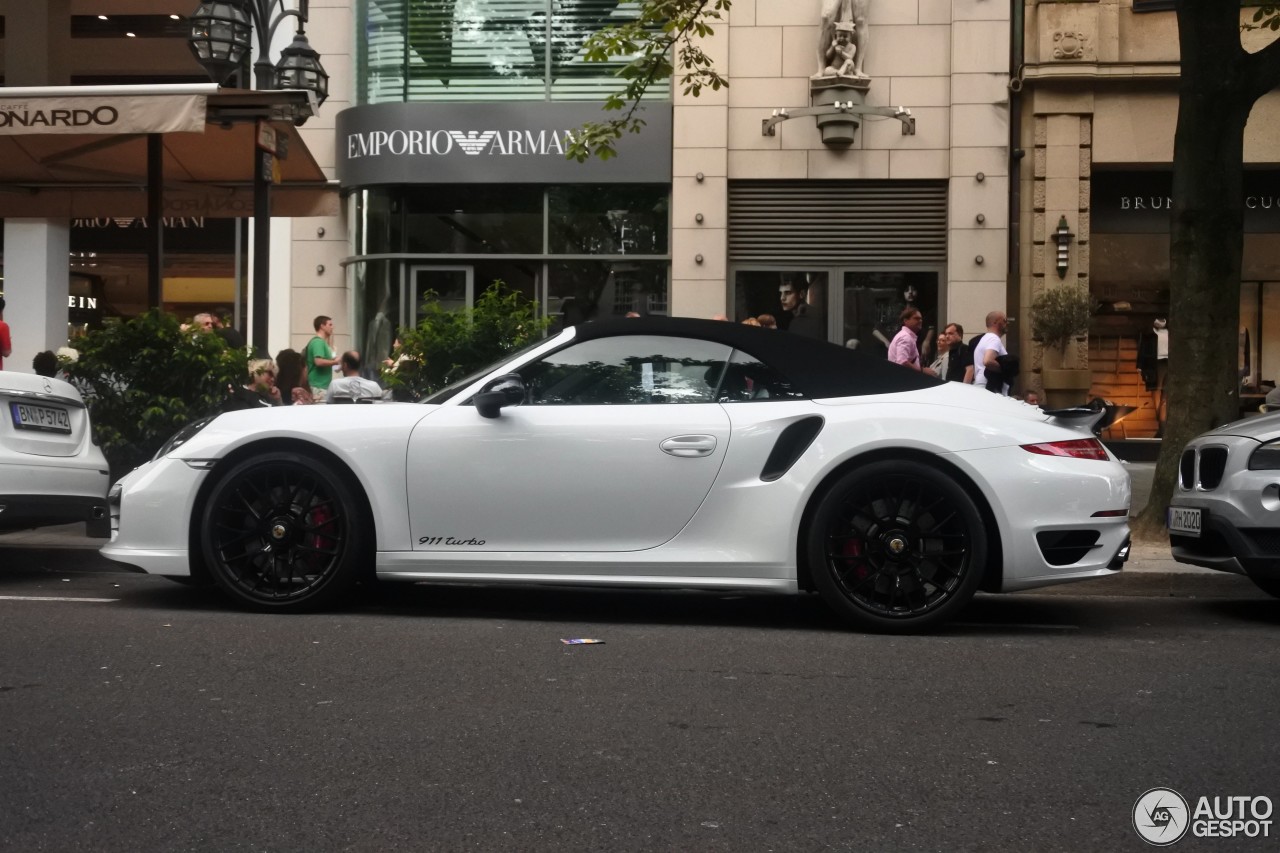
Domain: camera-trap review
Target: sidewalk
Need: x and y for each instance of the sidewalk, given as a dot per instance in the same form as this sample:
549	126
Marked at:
1144	557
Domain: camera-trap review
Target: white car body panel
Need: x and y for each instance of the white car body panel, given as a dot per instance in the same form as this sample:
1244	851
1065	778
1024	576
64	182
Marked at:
556	470
711	521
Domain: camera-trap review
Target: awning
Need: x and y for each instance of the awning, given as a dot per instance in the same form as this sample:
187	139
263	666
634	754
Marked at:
52	168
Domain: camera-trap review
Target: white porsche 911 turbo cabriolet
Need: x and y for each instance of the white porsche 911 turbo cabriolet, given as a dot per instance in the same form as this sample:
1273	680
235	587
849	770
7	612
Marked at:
643	453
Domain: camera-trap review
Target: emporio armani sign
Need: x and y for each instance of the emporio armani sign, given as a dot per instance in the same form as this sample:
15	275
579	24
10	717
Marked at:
491	143
474	143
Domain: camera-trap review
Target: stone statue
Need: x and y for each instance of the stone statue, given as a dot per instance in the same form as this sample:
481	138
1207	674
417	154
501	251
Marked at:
831	53
841	52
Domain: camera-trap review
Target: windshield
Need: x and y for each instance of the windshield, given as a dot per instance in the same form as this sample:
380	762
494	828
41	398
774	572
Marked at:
450	390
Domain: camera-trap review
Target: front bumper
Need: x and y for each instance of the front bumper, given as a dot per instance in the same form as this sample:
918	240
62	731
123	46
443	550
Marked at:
1221	545
1240	521
151	517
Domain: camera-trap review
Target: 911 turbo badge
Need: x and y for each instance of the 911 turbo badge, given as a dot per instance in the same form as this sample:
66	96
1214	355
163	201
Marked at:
448	540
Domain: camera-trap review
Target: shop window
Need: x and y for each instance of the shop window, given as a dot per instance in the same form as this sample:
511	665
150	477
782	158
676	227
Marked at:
873	304
795	300
579	291
507	50
473	220
608	220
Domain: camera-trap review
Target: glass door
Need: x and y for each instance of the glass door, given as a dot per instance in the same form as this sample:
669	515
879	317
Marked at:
453	286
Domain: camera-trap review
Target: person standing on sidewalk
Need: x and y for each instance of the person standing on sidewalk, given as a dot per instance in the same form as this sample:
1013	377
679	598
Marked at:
320	359
986	353
6	344
903	349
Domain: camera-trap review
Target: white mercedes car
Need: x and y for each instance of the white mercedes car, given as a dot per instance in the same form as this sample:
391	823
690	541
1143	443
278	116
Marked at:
643	453
51	472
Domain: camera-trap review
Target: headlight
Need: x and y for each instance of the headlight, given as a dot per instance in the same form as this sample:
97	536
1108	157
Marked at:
182	436
1266	457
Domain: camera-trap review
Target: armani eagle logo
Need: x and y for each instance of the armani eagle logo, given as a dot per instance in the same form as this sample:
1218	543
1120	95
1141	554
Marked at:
473	141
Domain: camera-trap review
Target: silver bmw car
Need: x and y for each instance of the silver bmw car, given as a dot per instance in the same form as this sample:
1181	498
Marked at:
1225	511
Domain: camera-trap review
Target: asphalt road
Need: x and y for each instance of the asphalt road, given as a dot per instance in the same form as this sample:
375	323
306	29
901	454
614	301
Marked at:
150	716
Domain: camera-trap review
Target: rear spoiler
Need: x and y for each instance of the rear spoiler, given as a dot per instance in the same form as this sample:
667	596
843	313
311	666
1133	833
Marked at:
1093	417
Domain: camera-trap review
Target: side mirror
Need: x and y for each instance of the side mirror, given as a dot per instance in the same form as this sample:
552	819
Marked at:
504	391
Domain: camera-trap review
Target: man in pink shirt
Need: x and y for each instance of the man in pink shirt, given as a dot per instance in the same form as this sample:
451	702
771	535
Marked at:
902	349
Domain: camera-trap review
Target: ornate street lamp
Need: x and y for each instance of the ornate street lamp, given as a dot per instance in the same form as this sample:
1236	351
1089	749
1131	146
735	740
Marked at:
220	40
299	68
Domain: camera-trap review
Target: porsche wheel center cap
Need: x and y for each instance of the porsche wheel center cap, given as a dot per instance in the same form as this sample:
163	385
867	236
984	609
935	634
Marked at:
279	531
896	545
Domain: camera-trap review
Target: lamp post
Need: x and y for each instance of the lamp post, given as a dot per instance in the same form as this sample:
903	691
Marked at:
220	38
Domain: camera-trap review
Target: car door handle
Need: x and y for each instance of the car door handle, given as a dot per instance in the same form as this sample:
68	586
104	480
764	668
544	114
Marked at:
687	446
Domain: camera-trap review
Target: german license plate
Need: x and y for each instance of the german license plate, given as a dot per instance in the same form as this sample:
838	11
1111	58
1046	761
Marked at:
1185	520
43	418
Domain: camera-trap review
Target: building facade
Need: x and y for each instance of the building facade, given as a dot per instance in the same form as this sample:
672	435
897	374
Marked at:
707	212
443	136
76	230
1098	103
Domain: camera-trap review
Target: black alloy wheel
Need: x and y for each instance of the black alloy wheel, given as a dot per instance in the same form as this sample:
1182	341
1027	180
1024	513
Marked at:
897	546
281	532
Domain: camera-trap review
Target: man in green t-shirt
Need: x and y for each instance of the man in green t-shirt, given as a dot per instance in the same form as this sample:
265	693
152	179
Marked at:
319	358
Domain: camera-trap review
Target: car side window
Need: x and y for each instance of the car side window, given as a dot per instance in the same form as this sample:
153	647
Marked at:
749	380
628	370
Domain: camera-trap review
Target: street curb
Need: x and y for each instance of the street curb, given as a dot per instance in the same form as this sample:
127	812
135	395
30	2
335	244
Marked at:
1157	584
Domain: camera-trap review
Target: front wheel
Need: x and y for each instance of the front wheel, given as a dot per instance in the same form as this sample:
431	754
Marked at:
281	532
897	547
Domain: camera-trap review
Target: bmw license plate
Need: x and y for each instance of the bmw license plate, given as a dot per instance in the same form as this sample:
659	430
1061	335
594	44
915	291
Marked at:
1185	521
43	418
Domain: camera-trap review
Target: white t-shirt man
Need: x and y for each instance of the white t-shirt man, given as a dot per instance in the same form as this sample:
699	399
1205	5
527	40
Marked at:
354	388
990	341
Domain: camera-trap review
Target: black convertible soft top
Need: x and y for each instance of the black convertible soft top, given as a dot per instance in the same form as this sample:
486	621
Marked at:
816	368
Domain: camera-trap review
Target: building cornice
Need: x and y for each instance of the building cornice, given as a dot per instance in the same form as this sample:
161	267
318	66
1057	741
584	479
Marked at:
1098	72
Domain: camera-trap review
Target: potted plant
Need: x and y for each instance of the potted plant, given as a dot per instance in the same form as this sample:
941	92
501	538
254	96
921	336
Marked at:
1058	316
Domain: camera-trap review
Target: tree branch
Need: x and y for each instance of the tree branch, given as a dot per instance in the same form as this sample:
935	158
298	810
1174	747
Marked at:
659	28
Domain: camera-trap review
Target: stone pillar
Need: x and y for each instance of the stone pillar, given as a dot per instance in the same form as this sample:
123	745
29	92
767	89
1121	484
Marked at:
1061	166
36	272
37	42
36	287
978	186
700	192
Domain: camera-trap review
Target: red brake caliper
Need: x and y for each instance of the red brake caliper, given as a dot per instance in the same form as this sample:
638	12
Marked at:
852	551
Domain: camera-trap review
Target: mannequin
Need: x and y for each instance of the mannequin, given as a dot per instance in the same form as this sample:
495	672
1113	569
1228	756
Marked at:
1153	363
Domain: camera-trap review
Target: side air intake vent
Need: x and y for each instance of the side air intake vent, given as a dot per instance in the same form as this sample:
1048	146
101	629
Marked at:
1064	547
793	442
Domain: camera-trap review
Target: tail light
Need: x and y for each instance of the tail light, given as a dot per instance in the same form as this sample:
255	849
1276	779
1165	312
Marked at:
1079	448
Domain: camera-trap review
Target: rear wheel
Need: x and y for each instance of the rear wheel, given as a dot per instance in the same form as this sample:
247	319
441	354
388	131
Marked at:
897	546
281	532
1271	586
